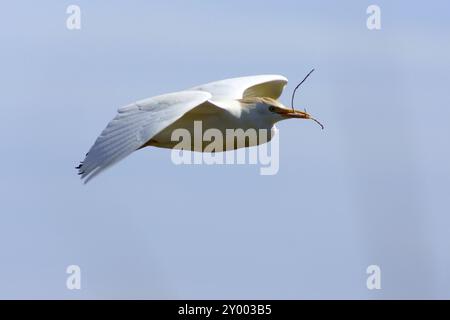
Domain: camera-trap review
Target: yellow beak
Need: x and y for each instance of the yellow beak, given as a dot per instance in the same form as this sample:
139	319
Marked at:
293	113
290	113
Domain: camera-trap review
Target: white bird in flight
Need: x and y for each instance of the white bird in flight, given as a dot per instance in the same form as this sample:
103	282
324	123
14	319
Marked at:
245	102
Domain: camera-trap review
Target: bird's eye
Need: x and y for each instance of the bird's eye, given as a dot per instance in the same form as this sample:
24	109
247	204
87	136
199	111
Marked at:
272	108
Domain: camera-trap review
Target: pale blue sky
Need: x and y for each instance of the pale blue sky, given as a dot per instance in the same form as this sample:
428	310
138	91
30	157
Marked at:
372	188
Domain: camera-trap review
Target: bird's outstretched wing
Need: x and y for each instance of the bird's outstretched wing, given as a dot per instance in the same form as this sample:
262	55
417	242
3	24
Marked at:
244	87
134	125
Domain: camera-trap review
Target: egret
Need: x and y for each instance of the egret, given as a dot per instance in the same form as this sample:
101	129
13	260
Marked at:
244	102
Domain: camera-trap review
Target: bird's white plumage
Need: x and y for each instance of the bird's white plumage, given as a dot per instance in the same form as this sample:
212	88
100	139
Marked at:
136	123
253	86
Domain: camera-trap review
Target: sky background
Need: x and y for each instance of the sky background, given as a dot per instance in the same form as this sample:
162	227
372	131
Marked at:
372	188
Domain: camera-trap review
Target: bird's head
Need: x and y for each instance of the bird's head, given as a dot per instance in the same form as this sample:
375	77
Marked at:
275	111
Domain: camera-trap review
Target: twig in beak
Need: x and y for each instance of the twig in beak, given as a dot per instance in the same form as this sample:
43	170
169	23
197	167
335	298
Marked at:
293	93
317	121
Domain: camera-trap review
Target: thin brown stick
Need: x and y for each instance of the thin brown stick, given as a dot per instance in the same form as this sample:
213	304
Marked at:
293	93
317	121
